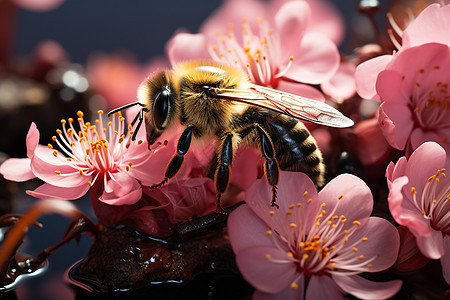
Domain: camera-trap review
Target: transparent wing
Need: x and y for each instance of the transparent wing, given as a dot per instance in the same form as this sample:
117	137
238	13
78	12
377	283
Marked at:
291	105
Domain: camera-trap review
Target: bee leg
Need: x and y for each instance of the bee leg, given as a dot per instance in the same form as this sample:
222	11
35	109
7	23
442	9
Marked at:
177	160
222	175
271	168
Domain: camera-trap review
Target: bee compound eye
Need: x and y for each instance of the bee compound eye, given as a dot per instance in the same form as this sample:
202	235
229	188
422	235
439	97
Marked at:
161	108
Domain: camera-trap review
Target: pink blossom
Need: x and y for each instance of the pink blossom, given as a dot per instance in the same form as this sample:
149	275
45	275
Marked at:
415	97
430	26
419	199
342	85
273	51
315	244
371	147
96	155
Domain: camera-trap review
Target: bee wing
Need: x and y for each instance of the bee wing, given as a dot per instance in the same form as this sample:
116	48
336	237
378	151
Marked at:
291	105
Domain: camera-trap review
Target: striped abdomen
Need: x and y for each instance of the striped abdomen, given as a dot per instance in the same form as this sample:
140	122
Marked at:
295	148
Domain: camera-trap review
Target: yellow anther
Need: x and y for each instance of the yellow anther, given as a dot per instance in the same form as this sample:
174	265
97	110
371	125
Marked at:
288	213
55	153
309	200
290	254
340	197
316	237
292	225
100	112
271	212
364	239
305	256
354	249
50	146
80	114
63	121
369	266
81	172
58	172
267	256
291	206
305	194
291	58
361	256
58	131
331	264
357	223
299	204
294	286
70	120
269	232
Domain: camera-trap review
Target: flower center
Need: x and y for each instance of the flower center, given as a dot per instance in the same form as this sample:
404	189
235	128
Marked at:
434	202
318	246
94	150
258	53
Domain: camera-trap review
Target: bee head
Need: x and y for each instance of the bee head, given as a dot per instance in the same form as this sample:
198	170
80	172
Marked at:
159	96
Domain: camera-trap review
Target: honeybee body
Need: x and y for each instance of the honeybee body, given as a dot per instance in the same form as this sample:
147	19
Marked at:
213	100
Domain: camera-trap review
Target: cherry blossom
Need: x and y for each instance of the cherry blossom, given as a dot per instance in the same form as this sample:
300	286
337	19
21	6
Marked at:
419	199
315	244
95	155
275	51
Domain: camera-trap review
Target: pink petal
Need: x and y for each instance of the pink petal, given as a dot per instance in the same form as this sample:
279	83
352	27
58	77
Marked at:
342	85
430	26
262	273
17	169
245	167
397	170
55	192
315	61
382	243
445	259
44	165
366	76
32	139
366	289
187	46
343	192
429	241
396	123
428	158
323	287
300	89
254	234
291	22
293	188
125	190
389	87
287	294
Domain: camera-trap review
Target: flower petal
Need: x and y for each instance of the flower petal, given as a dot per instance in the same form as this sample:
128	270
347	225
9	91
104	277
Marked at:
389	87
17	169
32	139
187	46
287	294
55	192
396	123
127	191
366	289
255	233
430	26
291	22
315	61
366	76
323	287
372	146
254	265
342	85
343	192
377	244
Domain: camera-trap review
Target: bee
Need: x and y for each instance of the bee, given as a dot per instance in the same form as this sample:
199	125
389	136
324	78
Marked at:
215	100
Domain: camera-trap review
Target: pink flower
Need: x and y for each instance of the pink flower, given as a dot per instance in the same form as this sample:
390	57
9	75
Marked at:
419	199
274	51
96	155
431	26
314	245
415	97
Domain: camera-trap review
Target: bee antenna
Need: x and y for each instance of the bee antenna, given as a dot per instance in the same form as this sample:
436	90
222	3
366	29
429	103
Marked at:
125	107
